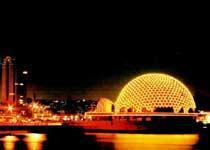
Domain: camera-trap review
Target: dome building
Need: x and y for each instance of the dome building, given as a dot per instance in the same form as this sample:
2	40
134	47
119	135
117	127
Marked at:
154	92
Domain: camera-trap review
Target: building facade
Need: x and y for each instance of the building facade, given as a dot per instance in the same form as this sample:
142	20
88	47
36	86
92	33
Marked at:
8	82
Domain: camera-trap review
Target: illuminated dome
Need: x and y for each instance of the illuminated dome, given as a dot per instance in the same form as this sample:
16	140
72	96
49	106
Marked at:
104	105
153	91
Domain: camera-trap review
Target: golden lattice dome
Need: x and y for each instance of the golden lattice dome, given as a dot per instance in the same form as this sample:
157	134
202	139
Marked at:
154	90
104	105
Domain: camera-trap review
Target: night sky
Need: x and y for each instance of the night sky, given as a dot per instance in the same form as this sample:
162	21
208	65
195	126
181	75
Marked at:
93	54
106	71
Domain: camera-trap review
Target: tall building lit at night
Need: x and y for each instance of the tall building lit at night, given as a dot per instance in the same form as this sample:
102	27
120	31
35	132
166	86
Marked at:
8	81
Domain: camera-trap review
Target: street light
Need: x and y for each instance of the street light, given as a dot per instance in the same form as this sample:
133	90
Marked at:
21	84
17	85
21	101
25	72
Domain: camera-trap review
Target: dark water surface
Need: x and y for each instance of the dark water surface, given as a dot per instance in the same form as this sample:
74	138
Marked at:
64	139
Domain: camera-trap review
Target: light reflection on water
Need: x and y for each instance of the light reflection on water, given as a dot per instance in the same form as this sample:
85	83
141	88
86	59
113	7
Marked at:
105	141
33	141
146	141
9	142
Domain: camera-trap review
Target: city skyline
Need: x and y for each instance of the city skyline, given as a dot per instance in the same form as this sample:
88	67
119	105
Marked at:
101	77
105	76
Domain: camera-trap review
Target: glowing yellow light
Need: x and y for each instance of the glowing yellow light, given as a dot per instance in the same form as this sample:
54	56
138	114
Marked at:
90	117
155	141
35	106
66	118
35	116
9	142
54	117
76	117
148	141
34	141
71	117
104	105
206	119
154	90
10	108
20	101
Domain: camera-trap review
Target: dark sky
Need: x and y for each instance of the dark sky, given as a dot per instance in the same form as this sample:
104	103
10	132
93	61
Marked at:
84	71
99	51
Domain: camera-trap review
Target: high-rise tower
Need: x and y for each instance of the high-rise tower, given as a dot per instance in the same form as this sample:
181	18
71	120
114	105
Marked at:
8	81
